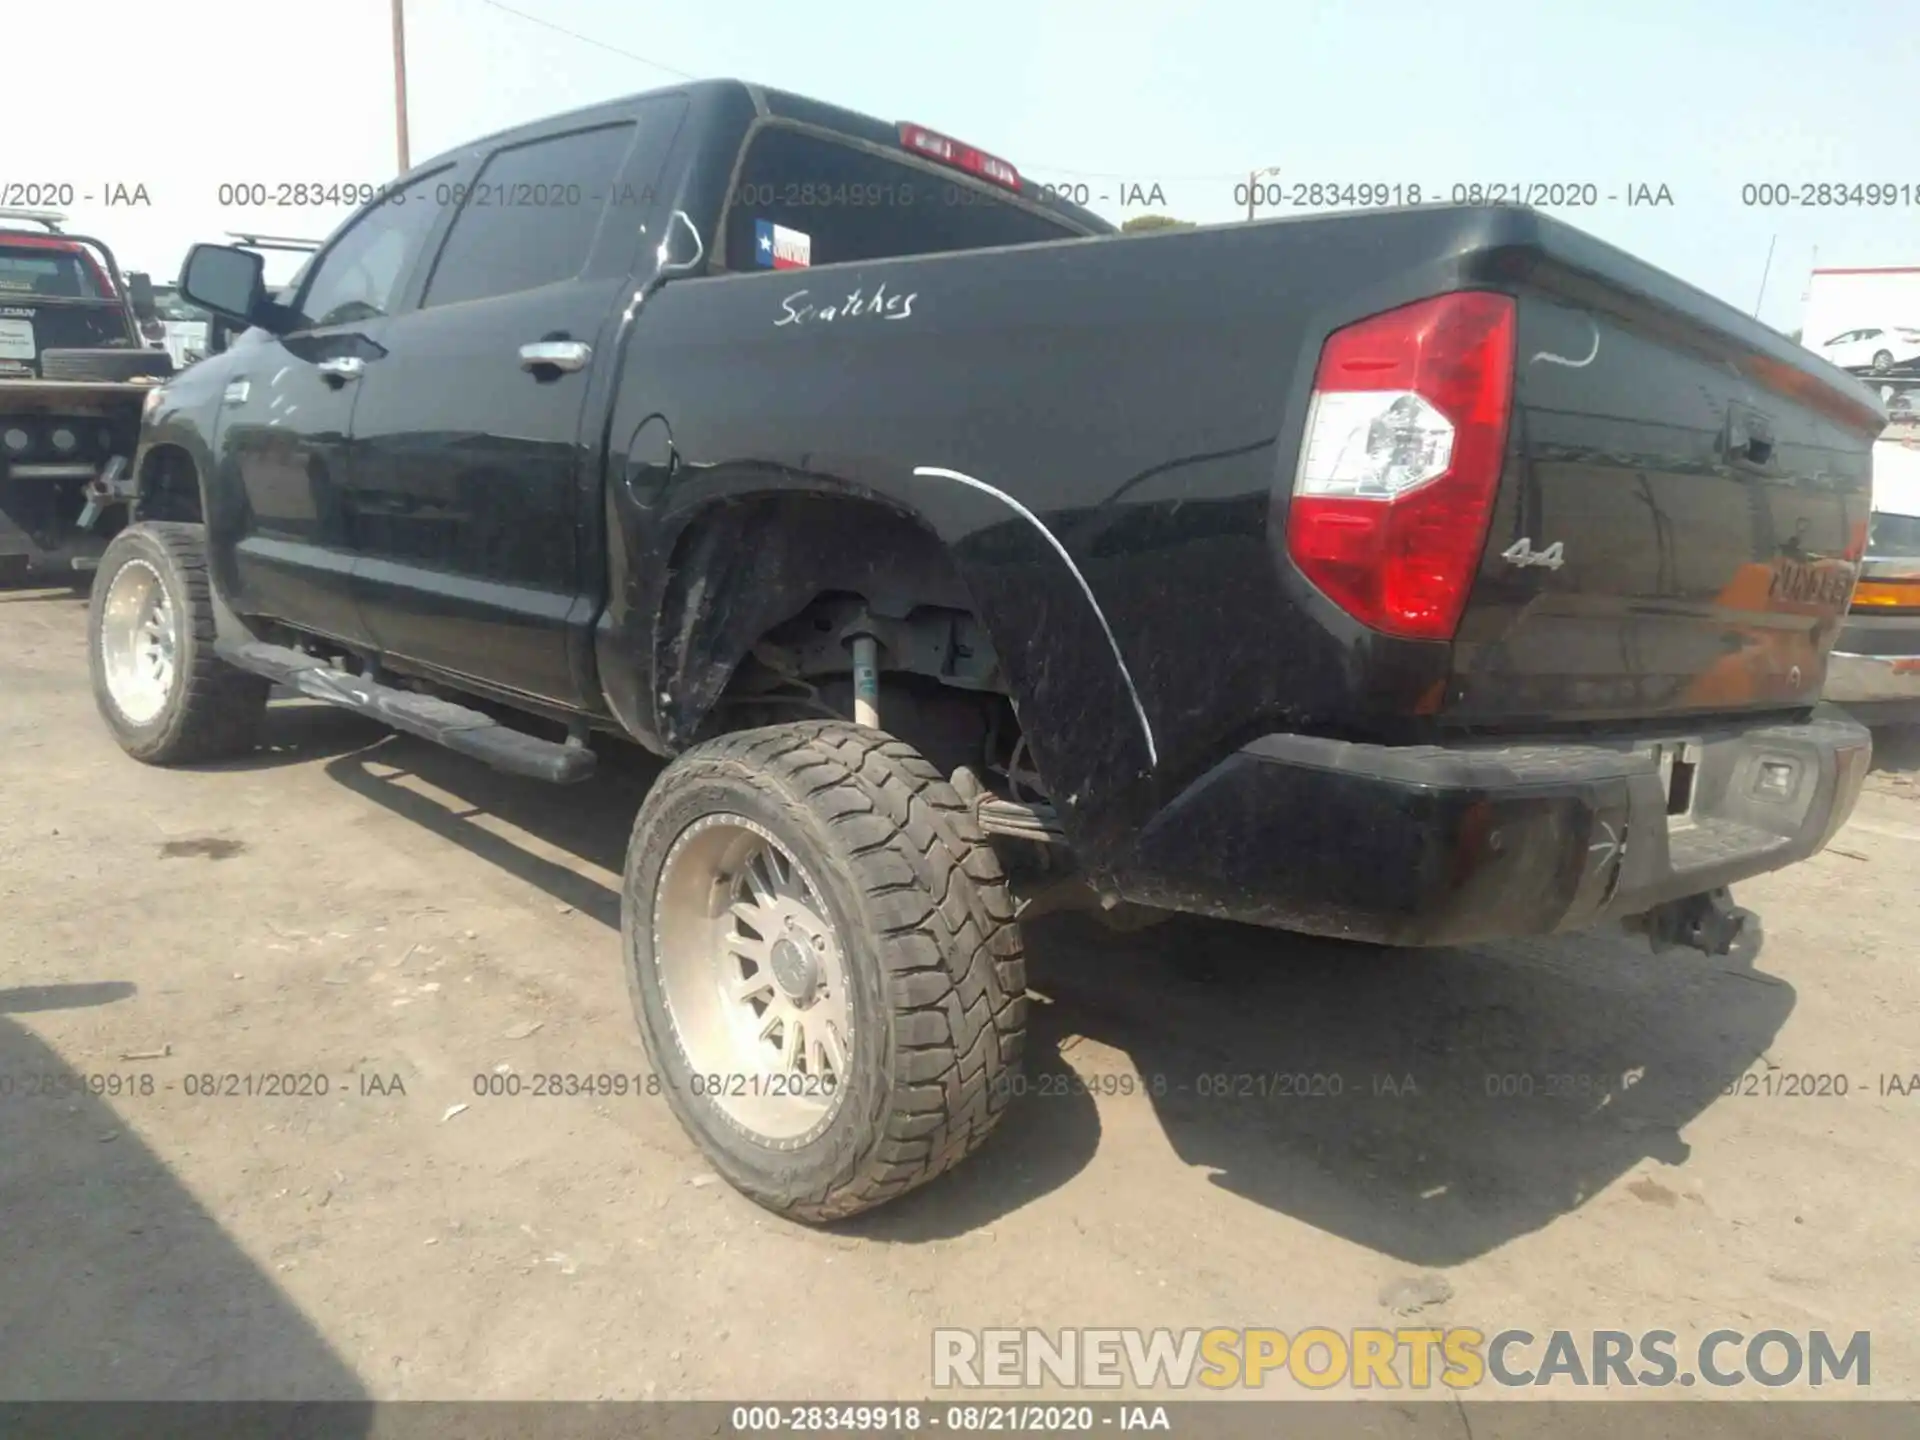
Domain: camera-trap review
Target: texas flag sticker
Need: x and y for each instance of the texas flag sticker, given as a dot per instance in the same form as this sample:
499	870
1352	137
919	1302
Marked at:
780	247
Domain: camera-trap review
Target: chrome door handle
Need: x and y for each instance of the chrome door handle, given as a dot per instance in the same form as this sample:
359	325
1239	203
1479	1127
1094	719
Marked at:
347	367
566	355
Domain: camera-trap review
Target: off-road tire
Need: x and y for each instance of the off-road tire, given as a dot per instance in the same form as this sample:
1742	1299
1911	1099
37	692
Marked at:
213	711
111	365
932	950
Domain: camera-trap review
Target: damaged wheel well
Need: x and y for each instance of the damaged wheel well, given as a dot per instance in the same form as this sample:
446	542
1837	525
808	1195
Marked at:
169	485
764	598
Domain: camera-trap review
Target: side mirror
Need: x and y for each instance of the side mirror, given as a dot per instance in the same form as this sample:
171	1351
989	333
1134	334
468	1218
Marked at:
140	292
226	280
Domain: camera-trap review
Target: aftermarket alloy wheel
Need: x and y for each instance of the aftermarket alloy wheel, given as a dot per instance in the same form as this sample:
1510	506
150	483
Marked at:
824	965
139	640
162	691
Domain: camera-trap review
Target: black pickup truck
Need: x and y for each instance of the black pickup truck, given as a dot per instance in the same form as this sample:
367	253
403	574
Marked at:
1412	576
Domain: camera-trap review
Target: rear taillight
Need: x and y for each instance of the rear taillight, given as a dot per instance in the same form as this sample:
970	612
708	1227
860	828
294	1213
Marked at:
1405	437
949	151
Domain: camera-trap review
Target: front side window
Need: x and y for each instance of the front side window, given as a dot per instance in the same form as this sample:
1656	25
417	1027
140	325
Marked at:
359	276
853	204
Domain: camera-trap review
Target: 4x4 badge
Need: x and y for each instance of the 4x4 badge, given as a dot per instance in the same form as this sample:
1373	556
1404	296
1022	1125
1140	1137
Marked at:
1521	552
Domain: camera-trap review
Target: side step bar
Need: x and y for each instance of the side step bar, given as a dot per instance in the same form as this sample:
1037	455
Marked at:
454	726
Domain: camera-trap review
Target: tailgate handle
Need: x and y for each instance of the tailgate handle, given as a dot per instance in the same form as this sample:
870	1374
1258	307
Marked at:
1749	437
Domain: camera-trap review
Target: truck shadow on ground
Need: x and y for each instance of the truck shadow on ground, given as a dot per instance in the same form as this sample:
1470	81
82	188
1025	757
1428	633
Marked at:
38	593
1429	1105
1896	748
118	1284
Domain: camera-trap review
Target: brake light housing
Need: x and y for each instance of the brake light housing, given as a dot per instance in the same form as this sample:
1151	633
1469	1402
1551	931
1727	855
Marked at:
948	151
1406	436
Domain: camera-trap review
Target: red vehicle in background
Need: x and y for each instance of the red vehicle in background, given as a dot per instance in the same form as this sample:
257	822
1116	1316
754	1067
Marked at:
77	361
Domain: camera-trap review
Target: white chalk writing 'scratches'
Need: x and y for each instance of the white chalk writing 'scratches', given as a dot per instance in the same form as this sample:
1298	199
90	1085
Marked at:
879	305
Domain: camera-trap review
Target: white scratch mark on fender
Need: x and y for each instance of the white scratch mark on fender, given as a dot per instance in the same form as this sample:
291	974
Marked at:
1553	359
1139	710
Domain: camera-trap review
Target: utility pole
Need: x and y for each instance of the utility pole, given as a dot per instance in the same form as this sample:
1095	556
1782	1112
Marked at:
1763	274
400	81
1253	180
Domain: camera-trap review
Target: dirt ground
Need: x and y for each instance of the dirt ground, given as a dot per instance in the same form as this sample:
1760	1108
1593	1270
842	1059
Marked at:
369	909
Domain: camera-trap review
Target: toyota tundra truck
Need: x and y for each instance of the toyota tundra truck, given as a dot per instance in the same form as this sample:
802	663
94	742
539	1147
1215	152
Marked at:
1411	576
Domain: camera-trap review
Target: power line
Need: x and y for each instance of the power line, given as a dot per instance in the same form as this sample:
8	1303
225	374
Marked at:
686	75
589	40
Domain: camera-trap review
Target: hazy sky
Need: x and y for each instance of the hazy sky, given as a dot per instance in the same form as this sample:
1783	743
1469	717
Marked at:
1701	96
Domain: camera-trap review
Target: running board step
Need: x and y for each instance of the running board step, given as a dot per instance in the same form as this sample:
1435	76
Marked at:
1018	820
454	726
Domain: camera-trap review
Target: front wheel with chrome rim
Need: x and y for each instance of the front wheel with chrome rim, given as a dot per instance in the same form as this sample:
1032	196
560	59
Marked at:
162	691
824	965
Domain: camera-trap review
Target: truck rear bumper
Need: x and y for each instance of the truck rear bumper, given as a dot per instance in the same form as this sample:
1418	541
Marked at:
1429	845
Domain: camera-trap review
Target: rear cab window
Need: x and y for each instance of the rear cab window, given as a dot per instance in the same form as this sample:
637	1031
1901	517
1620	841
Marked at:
807	198
48	273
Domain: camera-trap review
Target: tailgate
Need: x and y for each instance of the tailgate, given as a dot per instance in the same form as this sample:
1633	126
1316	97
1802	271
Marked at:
1683	505
28	327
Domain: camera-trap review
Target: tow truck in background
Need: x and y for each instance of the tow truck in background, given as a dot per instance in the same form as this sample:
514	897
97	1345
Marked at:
81	350
79	354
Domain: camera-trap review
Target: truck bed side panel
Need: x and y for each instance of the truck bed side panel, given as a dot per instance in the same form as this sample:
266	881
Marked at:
1129	395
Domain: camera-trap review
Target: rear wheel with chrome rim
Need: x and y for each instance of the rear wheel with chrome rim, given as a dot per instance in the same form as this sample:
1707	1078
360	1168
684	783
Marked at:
824	965
166	696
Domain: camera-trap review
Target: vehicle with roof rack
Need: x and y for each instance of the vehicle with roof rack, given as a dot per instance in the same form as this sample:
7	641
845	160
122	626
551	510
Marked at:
80	348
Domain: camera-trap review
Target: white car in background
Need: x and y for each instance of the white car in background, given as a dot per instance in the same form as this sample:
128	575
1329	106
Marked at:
1875	667
1880	350
186	326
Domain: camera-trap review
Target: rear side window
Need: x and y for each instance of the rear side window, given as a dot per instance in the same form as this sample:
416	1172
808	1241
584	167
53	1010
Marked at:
530	216
56	274
851	204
